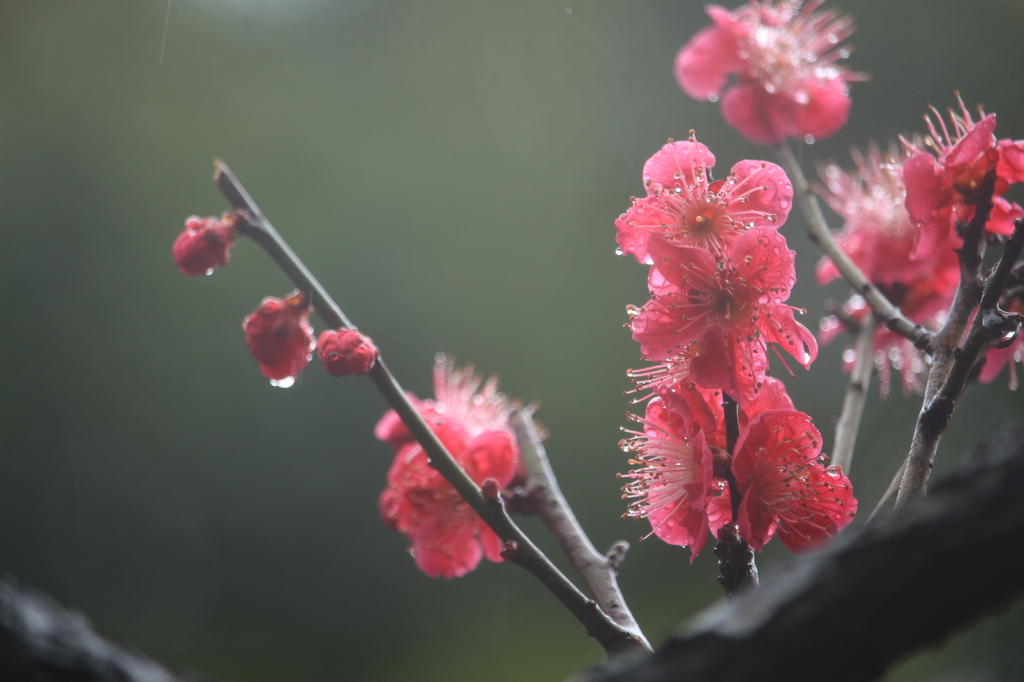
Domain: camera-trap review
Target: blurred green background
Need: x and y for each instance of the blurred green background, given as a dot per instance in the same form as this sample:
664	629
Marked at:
451	172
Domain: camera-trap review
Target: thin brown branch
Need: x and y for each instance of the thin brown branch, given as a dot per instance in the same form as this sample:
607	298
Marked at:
935	416
856	395
819	233
545	498
519	548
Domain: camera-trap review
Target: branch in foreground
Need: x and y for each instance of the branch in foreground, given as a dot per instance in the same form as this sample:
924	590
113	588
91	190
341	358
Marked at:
935	416
856	395
519	548
545	499
42	642
882	591
819	233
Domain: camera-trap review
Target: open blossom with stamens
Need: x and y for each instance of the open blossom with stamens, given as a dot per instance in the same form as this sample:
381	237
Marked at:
460	394
880	238
688	208
674	475
877	232
924	301
942	189
785	488
785	57
732	307
447	537
470	417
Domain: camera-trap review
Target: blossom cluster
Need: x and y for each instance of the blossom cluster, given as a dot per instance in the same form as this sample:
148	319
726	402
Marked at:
720	275
903	214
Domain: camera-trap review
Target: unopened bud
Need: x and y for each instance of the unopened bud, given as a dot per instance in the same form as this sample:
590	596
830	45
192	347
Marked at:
345	352
490	489
280	337
205	244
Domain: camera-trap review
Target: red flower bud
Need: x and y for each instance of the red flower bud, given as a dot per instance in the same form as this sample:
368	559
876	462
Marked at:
205	244
345	352
280	337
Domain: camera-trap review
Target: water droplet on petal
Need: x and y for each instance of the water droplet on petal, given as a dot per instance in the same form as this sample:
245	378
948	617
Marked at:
287	382
713	97
809	139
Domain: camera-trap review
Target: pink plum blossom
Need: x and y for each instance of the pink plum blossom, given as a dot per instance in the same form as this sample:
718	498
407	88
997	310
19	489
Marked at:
674	475
724	310
470	417
882	240
784	58
688	208
447	537
785	487
877	232
945	183
459	393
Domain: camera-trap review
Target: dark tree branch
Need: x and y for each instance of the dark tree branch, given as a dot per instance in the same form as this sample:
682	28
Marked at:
953	363
737	570
878	593
40	641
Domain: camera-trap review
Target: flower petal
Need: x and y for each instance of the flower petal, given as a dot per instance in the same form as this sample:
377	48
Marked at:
754	113
704	64
676	164
774	196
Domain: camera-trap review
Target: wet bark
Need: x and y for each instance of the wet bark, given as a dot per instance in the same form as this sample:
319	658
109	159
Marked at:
845	613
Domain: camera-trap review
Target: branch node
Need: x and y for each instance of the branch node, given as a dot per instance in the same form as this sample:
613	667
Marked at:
510	552
616	554
491	490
